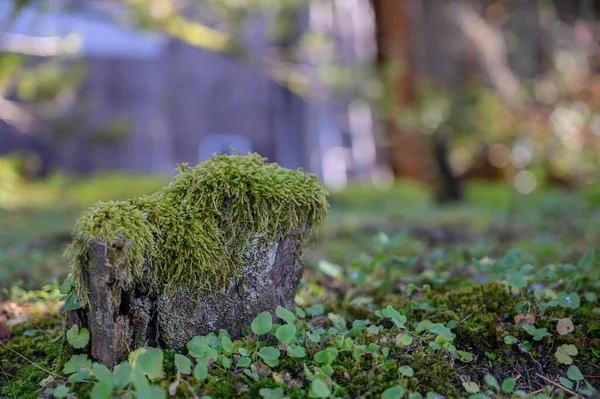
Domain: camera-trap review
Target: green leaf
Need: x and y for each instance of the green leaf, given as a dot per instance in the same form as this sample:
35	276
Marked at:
588	259
243	352
358	351
319	388
286	334
404	339
66	286
464	356
479	396
566	382
315	310
395	316
338	321
300	312
269	355
326	356
509	340
203	353
200	372
537	333
59	392
508	385
372	348
591	297
296	351
102	373
442	331
72	301
183	364
226	362
150	392
150	362
269	352
243	361
570	300
76	363
227	344
406	371
252	375
516	280
102	390
491	381
122	374
78	338
139	379
285	315
574	374
395	392
80	376
471	387
314	337
262	323
564	354
268	393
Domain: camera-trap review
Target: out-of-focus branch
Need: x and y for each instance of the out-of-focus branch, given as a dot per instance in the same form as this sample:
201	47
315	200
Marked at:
165	17
16	116
493	54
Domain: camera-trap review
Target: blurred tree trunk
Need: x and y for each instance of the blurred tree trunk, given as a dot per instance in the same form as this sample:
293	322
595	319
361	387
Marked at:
450	185
395	56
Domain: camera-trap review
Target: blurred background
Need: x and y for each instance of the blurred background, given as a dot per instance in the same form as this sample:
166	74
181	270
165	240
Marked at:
102	99
438	91
490	107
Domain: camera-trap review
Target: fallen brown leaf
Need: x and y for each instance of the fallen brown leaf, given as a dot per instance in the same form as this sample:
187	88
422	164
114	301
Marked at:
565	326
522	319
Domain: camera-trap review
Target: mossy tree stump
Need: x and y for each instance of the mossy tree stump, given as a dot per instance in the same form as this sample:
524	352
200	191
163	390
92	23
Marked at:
217	246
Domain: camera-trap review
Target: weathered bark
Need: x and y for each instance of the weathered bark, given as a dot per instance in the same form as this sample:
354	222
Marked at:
121	320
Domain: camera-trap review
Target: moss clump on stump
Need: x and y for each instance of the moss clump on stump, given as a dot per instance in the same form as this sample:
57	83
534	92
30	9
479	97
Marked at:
220	244
195	231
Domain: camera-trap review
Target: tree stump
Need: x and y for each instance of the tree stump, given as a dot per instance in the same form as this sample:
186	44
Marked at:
219	245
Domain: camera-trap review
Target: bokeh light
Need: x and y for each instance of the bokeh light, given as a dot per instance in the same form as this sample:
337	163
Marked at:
525	182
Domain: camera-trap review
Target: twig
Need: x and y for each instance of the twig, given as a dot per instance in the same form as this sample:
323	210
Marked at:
557	385
534	392
35	364
466	318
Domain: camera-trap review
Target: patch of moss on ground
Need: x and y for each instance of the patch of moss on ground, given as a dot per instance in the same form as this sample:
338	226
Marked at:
34	341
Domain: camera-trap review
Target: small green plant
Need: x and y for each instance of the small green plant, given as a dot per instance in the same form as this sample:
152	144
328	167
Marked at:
78	338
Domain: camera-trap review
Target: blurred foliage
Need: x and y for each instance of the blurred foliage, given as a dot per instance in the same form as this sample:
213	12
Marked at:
37	216
554	138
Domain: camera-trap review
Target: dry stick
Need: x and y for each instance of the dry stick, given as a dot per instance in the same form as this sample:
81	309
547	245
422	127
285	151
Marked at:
35	364
535	392
557	385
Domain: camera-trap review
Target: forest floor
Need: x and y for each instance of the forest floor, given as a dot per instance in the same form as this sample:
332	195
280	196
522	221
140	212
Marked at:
400	298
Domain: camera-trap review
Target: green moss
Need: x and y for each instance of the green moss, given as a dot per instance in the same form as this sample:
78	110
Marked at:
19	378
196	231
120	225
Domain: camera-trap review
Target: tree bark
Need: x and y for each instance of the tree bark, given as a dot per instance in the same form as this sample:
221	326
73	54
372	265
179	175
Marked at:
121	320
